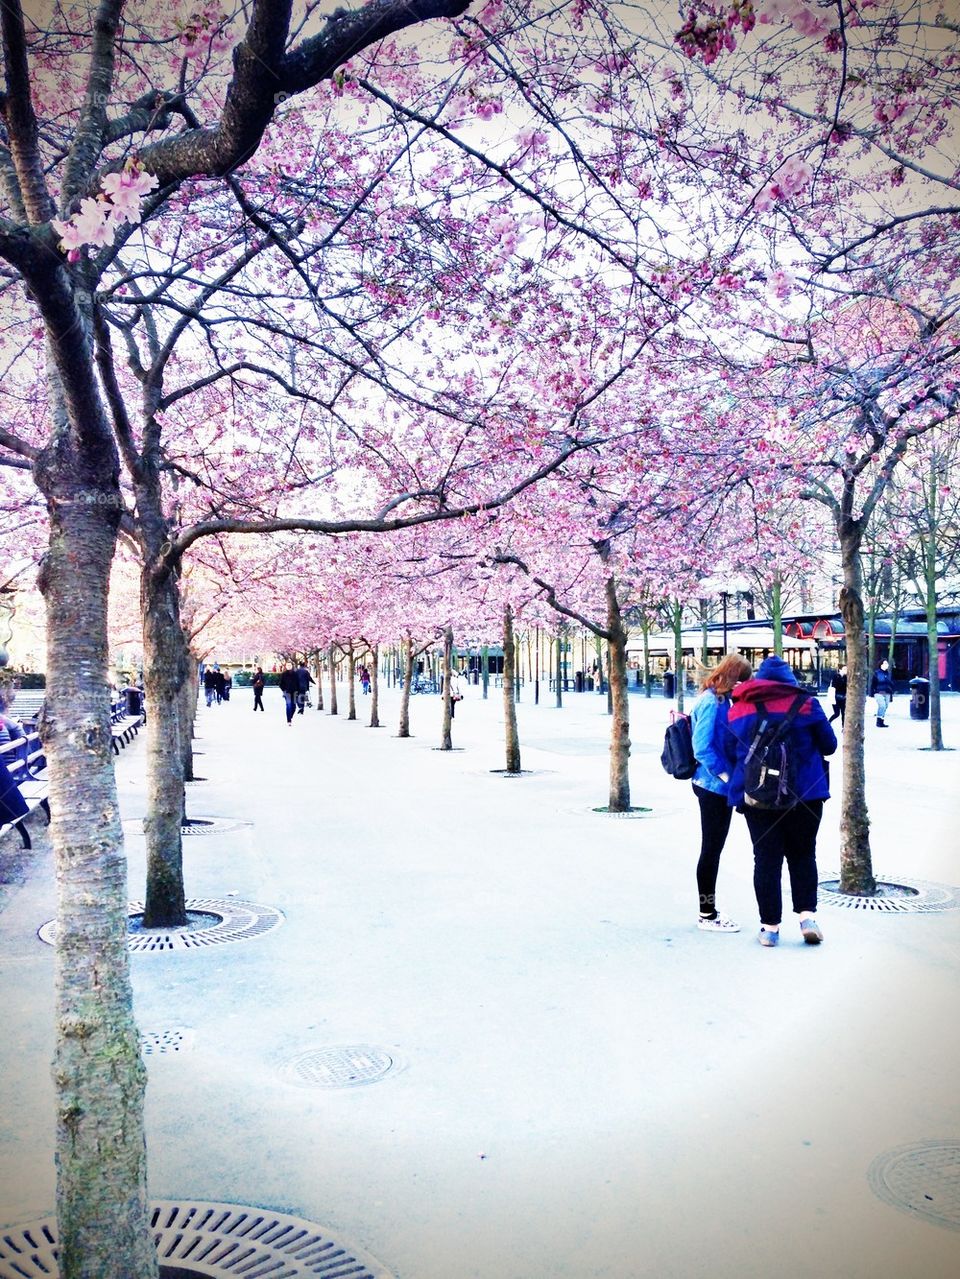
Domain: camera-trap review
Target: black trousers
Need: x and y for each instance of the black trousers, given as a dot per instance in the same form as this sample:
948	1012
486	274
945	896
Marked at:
714	827
789	833
258	699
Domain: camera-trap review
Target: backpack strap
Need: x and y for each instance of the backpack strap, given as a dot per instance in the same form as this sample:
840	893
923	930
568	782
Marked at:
760	737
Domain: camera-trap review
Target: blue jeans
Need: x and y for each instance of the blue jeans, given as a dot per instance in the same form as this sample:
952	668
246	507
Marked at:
883	701
290	702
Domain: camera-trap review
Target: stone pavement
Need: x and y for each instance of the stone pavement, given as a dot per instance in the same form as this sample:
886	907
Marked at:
583	1085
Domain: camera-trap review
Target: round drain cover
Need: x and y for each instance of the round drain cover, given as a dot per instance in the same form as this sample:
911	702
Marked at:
344	1067
214	922
921	1179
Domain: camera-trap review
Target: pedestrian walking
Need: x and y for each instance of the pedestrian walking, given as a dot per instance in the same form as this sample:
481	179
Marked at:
715	750
304	680
257	684
227	686
219	682
289	687
456	693
209	685
839	685
881	689
364	679
788	832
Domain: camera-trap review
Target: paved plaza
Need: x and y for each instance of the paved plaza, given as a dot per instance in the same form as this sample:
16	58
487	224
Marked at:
575	1083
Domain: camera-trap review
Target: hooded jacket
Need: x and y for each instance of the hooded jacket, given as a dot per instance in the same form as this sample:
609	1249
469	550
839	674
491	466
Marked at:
769	696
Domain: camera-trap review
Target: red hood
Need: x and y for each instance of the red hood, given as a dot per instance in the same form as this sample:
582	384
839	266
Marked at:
774	693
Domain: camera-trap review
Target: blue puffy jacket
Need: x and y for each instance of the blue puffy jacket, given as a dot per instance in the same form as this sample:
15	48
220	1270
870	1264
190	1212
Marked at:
810	737
713	744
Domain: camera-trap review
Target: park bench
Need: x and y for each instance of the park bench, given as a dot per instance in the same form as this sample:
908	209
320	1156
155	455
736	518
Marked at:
123	726
25	761
26	706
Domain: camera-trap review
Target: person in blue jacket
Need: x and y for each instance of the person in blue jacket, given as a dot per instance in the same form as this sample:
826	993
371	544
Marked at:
713	748
780	833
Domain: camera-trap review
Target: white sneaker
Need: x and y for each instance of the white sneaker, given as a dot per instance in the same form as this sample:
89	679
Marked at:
718	925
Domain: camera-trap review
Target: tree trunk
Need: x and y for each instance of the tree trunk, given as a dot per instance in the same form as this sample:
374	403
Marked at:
856	869
486	671
333	679
678	672
933	652
559	667
404	730
102	1209
165	661
619	801
776	619
647	682
351	683
375	686
188	711
318	659
446	737
509	702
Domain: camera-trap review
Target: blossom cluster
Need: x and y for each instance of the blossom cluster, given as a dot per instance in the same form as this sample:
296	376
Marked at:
792	177
118	202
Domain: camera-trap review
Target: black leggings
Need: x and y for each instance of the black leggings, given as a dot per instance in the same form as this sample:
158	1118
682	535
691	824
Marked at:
714	825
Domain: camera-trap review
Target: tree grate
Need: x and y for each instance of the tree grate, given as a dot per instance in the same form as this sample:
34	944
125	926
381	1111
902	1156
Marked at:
338	1067
922	1179
893	897
214	1239
231	921
193	825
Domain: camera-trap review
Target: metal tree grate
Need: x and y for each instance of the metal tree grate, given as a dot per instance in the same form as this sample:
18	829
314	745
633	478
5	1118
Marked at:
232	921
193	825
341	1067
922	1179
215	1239
894	896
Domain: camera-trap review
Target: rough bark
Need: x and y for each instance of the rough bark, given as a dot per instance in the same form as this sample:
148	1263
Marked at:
509	698
98	1074
332	658
446	734
351	683
318	662
165	664
856	869
404	730
559	680
933	655
375	686
619	801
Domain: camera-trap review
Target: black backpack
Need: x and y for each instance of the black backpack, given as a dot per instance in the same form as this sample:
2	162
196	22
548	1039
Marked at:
769	770
677	757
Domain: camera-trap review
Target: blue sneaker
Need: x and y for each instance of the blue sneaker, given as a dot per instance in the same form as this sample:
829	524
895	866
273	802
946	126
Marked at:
769	936
811	931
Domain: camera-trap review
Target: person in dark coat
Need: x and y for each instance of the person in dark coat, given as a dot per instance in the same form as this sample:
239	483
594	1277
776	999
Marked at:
289	687
881	688
210	684
839	686
304	680
257	684
780	833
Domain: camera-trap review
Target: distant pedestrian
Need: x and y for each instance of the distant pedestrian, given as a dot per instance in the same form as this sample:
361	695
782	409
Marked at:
790	832
227	685
289	687
456	694
881	688
209	685
218	682
304	680
364	679
257	683
715	749
839	686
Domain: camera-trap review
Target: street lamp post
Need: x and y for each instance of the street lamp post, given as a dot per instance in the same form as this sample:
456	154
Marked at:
724	597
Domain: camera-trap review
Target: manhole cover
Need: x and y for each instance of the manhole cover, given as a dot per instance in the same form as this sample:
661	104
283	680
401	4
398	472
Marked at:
210	1239
153	1042
922	1179
894	896
342	1067
193	825
230	921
